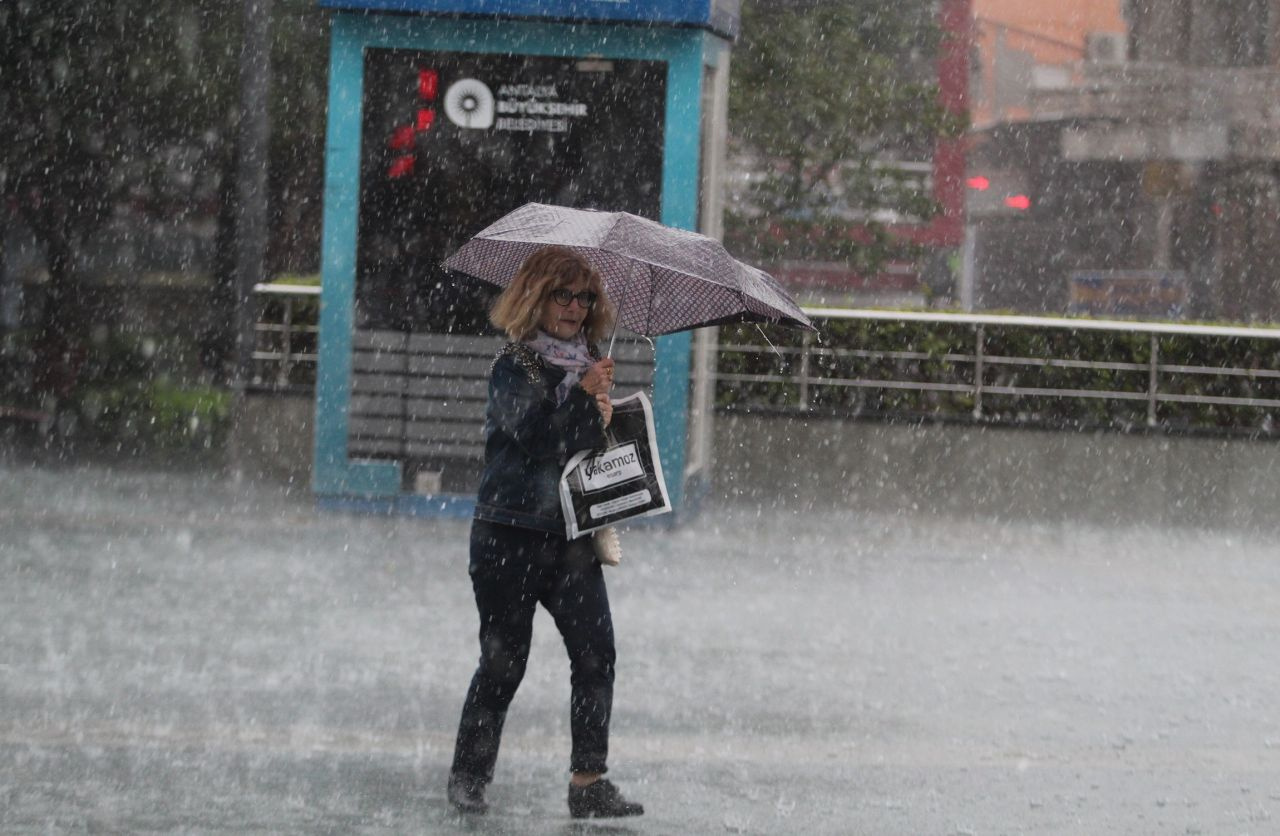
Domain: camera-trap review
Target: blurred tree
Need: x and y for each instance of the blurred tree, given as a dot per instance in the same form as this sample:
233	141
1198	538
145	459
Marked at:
97	97
119	107
825	99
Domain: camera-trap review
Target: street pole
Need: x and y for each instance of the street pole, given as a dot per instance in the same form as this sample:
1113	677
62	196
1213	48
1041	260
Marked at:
251	192
969	254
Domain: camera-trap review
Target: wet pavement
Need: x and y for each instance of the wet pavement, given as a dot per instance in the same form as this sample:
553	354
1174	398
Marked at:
181	653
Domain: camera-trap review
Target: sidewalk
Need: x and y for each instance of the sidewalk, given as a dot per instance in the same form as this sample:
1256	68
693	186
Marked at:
181	654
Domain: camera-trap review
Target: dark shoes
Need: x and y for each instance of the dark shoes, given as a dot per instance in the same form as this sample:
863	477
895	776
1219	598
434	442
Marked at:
600	800
467	794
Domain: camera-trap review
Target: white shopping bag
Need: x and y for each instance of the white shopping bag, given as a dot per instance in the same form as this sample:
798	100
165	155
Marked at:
599	488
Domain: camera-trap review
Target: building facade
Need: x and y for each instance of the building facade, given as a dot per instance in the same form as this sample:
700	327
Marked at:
1142	176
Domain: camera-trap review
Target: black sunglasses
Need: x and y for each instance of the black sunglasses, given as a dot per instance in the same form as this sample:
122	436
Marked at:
563	296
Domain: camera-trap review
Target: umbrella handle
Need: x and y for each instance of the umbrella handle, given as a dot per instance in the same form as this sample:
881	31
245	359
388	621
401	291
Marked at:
613	336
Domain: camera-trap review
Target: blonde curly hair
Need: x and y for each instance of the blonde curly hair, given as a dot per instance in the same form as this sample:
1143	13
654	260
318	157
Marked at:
519	307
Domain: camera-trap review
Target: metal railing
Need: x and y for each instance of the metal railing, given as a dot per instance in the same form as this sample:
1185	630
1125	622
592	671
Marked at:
284	344
1165	383
285	357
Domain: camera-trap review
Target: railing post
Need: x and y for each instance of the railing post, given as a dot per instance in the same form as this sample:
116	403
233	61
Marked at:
286	343
978	339
1153	381
806	341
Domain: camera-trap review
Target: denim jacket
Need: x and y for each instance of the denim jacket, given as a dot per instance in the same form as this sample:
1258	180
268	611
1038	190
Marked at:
528	440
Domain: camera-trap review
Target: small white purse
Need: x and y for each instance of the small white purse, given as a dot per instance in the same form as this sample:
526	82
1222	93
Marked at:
608	548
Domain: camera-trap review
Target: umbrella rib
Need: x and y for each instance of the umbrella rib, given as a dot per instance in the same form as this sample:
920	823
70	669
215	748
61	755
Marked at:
648	317
742	302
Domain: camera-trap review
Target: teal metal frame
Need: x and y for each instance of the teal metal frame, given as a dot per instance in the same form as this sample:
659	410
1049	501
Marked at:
376	485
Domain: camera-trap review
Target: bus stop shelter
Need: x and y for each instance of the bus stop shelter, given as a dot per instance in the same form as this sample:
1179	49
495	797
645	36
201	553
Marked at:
443	116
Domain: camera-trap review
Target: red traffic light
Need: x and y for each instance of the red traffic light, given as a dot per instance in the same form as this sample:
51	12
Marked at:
979	183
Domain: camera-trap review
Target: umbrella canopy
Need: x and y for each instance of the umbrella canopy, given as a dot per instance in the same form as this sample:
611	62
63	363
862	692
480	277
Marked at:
661	279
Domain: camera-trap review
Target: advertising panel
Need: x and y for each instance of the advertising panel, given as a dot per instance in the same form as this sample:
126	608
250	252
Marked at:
452	141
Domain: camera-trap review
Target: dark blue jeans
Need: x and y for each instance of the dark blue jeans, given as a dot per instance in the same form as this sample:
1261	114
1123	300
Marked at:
512	571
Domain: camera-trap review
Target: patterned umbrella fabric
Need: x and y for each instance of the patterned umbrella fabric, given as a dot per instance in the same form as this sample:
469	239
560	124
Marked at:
661	279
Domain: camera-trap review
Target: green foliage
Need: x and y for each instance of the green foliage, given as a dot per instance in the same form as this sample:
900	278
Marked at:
121	397
122	402
294	280
823	97
941	355
157	416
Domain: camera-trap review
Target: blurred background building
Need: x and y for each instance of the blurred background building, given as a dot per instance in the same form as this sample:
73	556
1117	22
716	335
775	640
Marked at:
1123	158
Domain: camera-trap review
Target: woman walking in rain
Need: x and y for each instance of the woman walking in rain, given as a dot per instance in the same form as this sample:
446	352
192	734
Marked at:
548	399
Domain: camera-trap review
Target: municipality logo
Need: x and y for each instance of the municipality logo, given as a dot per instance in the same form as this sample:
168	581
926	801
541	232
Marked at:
469	104
525	107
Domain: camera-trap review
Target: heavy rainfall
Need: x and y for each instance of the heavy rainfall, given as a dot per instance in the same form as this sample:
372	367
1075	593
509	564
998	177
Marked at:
990	550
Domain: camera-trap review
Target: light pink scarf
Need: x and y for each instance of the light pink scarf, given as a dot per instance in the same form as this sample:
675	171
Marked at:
571	355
